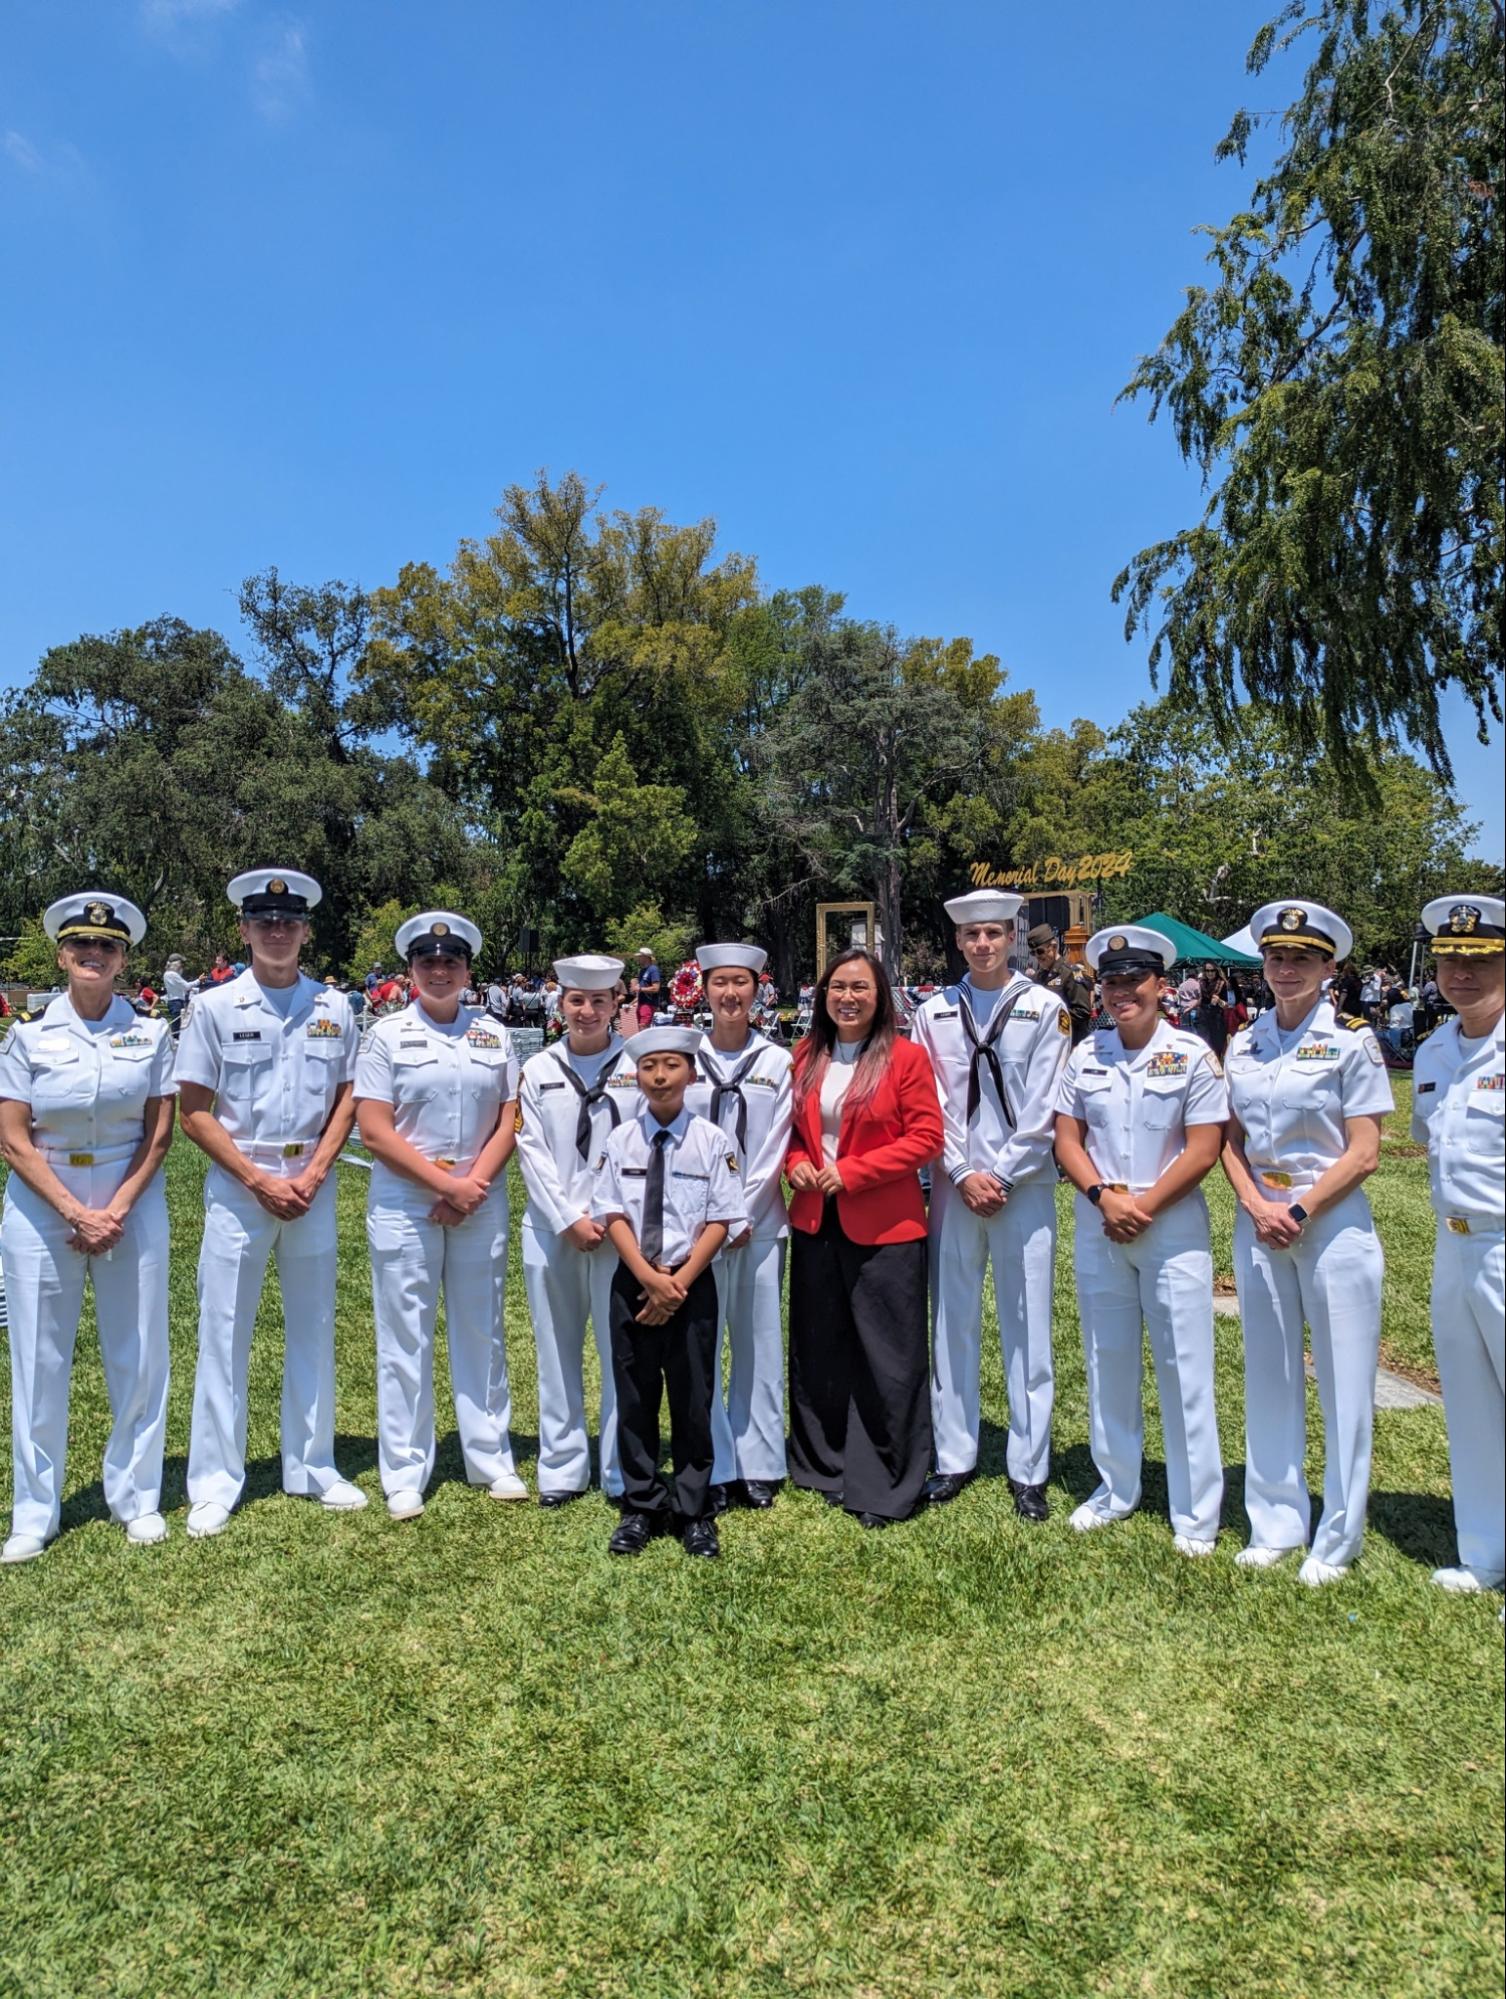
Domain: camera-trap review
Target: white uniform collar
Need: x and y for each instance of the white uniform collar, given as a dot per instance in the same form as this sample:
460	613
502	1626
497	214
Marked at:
60	1013
1161	1038
1322	1020
246	990
649	1124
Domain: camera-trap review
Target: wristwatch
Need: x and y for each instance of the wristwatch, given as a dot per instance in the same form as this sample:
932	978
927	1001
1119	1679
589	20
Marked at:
1297	1212
1095	1194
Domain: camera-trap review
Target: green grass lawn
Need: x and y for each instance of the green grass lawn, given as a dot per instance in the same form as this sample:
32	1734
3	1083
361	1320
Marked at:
471	1755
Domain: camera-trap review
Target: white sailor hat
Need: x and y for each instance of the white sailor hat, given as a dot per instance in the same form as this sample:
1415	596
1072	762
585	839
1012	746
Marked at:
95	913
731	957
664	1041
1466	926
436	933
274	892
1129	947
984	905
1307	925
589	974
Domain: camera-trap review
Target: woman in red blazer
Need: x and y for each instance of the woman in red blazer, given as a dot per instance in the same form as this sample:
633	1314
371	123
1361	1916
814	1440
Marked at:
866	1118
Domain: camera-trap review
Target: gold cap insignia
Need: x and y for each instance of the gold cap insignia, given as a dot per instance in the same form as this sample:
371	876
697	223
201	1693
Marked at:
1463	919
1291	919
277	886
97	913
439	929
1118	943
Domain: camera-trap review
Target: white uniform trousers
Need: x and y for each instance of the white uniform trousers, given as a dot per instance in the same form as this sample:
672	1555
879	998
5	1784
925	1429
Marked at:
1331	1279
44	1293
413	1260
565	1287
1469	1326
1165	1278
240	1237
747	1425
1020	1241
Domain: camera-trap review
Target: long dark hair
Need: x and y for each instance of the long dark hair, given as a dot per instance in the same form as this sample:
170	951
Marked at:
813	1053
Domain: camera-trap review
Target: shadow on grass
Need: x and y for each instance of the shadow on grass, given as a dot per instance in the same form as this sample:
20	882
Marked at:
1419	1525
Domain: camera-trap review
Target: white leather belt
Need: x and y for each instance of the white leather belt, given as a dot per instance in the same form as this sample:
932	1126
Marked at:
298	1148
87	1155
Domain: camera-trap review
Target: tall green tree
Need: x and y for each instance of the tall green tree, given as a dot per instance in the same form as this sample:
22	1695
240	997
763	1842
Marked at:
1339	384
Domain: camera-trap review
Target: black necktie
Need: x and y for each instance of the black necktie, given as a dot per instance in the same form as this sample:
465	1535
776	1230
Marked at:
730	1086
651	1241
589	1099
985	1051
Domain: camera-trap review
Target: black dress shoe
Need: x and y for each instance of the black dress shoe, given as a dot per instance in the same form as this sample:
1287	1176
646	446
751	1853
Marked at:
633	1534
718	1499
550	1500
758	1493
1030	1501
832	1498
943	1486
700	1538
874	1520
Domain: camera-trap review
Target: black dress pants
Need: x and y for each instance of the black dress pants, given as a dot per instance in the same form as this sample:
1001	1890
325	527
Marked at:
680	1357
860	1375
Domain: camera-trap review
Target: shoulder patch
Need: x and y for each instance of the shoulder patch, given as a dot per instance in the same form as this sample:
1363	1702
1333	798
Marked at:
731	1162
517	1118
1373	1049
1214	1064
1063	1021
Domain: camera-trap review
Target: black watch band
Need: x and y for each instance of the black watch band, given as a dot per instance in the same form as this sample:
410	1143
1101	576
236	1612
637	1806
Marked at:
1297	1212
1095	1194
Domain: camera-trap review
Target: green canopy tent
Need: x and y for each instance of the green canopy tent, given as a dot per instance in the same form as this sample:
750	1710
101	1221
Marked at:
1197	947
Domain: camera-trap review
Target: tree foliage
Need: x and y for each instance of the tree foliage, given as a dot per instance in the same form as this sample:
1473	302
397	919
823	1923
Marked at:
1339	384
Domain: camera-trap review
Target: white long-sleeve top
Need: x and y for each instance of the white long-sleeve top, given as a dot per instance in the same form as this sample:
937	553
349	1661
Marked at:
761	1071
1033	1040
558	1179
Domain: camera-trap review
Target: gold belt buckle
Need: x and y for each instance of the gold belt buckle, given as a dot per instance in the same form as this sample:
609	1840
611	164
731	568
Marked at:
1118	1186
81	1159
292	1152
1457	1225
1274	1179
444	1162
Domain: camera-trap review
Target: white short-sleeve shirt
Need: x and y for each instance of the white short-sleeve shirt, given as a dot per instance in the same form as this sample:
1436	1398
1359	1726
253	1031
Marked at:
760	1076
275	1073
701	1181
446	1081
1459	1112
87	1084
1293	1088
555	1172
1139	1103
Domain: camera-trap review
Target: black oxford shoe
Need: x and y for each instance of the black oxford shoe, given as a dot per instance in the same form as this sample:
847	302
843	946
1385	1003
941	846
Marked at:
942	1487
832	1498
1030	1501
633	1534
718	1499
758	1493
551	1500
700	1538
874	1520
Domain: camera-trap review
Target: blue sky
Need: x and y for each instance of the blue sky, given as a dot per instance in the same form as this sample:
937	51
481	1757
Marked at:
861	279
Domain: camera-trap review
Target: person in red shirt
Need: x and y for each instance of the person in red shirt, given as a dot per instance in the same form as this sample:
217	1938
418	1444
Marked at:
866	1119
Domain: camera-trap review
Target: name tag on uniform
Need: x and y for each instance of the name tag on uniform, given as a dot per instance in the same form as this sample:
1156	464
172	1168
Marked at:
1318	1051
1167	1064
246	1034
945	1016
1086	1071
550	1086
679	1173
322	1028
417	1042
1423	1088
630	1172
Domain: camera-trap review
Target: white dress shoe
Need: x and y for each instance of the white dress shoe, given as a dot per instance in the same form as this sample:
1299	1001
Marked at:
1254	1557
1315	1573
22	1548
1086	1518
1189	1544
1466	1582
405	1505
342	1497
145	1530
206	1519
507	1485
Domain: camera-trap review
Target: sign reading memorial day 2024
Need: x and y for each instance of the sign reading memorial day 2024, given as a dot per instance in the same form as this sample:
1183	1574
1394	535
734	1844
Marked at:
1054	872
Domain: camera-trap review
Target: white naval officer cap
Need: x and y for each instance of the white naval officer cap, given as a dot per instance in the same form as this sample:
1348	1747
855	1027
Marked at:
664	1041
1466	926
588	974
437	933
1304	925
274	892
95	913
984	905
730	958
1130	947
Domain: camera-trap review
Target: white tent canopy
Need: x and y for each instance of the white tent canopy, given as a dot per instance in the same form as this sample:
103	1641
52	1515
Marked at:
1243	940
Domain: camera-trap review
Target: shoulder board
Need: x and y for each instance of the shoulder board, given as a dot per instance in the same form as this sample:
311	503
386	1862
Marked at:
1353	1021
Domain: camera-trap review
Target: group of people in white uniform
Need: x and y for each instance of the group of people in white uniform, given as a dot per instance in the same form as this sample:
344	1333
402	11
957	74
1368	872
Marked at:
271	1077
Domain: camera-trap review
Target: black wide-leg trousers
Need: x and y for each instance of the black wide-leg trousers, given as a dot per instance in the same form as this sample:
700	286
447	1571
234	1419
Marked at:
860	1376
678	1357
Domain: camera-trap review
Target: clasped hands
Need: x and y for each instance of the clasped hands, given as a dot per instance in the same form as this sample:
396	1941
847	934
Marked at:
663	1295
95	1231
463	1195
287	1198
1275	1225
806	1178
1122	1215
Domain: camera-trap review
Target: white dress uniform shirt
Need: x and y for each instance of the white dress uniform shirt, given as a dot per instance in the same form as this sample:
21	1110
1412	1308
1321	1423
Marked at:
1292	1090
1459	1108
1138	1102
87	1086
1030	1032
747	1424
701	1183
1459	1113
275	1073
446	1083
557	1177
